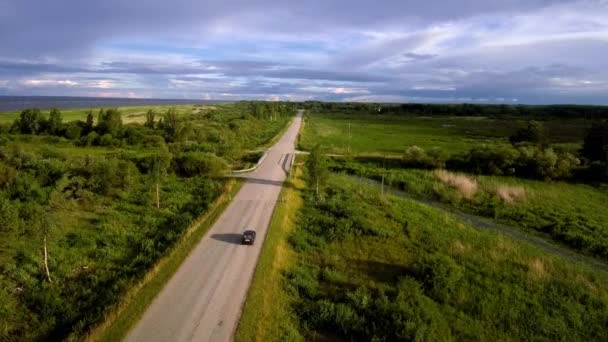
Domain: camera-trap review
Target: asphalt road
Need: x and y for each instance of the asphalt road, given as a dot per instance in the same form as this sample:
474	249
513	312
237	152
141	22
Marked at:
203	300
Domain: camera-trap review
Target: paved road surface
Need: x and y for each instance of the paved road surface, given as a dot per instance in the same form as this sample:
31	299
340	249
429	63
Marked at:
203	300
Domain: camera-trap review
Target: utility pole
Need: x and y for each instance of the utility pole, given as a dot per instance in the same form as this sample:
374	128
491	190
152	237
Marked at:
349	137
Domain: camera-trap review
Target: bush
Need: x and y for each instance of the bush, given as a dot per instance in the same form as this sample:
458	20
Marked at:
73	131
106	140
190	164
89	139
417	157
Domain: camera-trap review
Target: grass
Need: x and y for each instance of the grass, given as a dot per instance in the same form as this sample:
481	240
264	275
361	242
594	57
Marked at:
573	214
124	315
373	267
381	134
267	315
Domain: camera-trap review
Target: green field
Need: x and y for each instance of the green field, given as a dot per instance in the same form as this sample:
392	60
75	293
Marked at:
381	134
573	214
372	267
365	266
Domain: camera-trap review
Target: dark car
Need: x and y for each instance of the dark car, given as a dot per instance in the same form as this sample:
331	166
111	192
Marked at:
248	237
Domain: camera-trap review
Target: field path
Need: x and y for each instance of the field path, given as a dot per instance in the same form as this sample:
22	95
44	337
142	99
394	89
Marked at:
203	300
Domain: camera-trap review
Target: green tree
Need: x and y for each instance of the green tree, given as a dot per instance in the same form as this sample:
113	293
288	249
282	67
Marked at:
55	122
110	122
31	121
595	146
171	125
89	123
317	168
150	119
533	133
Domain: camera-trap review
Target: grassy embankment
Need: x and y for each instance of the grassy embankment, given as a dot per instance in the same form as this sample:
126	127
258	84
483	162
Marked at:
267	314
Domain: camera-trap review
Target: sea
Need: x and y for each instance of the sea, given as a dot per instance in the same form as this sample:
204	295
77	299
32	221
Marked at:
16	103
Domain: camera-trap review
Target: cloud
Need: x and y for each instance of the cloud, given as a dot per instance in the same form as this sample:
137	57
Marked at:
535	51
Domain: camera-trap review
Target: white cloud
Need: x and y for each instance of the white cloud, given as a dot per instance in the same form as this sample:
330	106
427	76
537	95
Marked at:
46	83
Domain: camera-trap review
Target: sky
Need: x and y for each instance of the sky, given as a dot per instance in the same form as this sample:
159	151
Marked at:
485	51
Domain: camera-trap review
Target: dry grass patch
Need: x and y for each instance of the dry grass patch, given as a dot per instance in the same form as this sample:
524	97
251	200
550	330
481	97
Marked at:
511	194
466	186
459	248
538	269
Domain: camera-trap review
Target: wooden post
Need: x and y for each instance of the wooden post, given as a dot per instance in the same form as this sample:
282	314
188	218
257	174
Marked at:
157	197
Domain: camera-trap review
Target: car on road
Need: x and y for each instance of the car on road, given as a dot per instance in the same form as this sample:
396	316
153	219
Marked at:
248	237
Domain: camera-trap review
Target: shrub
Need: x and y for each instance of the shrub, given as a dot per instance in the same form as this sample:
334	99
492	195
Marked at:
191	164
73	131
106	140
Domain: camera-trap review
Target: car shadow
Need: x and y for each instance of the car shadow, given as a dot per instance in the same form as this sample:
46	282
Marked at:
229	238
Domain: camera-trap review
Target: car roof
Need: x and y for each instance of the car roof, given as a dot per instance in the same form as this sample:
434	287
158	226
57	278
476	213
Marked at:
249	232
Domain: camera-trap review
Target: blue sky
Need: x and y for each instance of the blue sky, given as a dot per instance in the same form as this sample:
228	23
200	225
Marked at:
486	51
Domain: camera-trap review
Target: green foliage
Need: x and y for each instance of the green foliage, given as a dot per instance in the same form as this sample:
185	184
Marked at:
73	131
191	164
595	147
533	133
171	125
110	122
94	197
55	122
317	168
31	121
570	213
410	272
150	118
89	123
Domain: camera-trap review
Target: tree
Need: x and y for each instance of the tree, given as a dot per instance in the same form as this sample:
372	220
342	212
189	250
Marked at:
55	121
317	168
31	121
89	123
150	119
534	133
110	122
171	125
595	146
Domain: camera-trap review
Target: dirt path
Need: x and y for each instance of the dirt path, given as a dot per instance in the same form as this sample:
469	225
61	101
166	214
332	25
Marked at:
539	240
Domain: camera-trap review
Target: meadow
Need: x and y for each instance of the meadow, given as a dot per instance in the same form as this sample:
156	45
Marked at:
365	266
87	208
570	213
358	263
386	134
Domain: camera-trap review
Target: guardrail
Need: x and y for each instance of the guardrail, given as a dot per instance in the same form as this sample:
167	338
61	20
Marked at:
254	167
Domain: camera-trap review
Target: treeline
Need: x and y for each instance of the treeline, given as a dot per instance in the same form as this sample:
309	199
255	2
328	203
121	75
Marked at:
465	109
